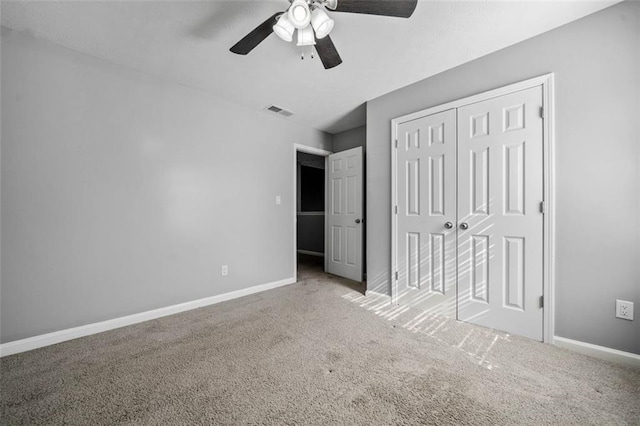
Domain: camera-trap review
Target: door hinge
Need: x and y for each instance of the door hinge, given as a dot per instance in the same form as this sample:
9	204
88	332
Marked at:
541	112
396	209
542	207
396	275
396	143
542	301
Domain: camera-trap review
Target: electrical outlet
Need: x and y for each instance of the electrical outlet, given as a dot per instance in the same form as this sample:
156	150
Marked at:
225	270
624	309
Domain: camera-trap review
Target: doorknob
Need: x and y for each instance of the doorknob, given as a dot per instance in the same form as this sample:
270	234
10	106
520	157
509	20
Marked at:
464	225
448	225
357	220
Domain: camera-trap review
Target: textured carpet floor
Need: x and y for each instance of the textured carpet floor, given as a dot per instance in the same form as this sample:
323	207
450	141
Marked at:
316	352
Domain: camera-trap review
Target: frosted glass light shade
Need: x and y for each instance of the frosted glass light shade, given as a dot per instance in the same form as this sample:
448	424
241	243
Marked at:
284	28
321	23
306	37
299	14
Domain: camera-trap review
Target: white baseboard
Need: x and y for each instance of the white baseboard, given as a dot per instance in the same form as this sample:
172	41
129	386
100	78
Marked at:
596	351
42	340
311	253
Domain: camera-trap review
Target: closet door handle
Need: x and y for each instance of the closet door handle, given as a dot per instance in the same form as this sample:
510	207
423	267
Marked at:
464	225
448	225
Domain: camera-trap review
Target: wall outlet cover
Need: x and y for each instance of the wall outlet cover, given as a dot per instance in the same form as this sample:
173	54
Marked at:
224	270
624	309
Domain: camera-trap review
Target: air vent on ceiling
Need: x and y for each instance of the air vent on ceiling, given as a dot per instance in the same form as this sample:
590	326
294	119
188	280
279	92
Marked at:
279	111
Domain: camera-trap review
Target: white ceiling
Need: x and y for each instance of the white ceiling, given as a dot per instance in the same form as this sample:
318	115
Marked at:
188	42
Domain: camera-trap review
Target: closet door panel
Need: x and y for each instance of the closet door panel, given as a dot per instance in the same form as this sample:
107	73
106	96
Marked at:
500	226
426	200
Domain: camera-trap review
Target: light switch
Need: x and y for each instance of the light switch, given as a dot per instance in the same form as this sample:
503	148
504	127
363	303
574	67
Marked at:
278	199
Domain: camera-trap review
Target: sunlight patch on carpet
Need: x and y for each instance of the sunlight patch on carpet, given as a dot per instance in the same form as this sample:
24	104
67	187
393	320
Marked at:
474	341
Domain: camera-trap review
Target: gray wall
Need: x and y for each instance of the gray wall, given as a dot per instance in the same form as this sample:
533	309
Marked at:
123	193
311	233
596	65
350	139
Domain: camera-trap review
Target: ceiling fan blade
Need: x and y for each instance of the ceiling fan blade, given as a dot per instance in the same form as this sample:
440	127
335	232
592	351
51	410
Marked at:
255	37
398	8
327	52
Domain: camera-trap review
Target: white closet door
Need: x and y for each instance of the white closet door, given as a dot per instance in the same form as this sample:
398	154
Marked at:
426	217
345	218
500	226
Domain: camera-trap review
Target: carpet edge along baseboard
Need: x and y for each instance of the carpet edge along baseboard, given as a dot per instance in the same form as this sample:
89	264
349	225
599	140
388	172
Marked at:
597	351
35	342
47	339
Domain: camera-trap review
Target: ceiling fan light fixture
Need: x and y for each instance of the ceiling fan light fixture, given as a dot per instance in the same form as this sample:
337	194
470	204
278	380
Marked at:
306	37
284	28
299	14
310	18
331	4
321	23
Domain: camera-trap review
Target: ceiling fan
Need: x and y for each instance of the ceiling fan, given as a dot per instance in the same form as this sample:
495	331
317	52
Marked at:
313	24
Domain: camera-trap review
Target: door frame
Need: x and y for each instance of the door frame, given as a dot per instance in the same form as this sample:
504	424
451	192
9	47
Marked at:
322	153
548	135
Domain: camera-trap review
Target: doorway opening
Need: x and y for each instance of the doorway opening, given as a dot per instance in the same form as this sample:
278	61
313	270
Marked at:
340	238
310	211
310	182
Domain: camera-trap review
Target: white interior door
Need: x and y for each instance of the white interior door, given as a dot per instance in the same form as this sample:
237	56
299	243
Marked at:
345	218
426	213
500	224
